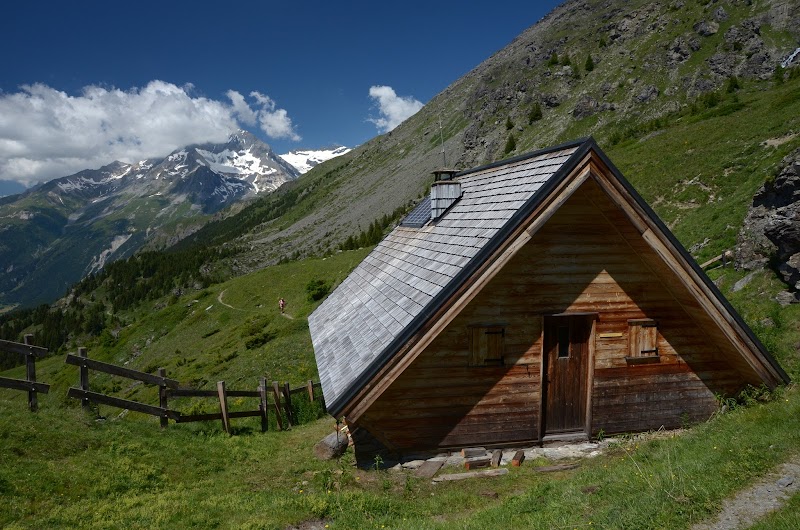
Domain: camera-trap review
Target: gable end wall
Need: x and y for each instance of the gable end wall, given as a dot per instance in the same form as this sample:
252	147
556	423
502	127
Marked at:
585	259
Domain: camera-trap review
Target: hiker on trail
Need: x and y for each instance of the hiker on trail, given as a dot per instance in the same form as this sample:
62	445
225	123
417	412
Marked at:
282	304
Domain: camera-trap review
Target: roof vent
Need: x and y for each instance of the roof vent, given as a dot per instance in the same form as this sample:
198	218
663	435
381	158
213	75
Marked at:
444	191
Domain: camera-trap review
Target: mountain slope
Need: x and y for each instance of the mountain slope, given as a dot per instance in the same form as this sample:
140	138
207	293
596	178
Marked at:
681	95
69	227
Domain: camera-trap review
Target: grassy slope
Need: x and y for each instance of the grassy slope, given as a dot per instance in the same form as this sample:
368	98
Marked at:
700	172
200	340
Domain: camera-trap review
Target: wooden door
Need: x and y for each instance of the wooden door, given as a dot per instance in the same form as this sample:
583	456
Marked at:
566	363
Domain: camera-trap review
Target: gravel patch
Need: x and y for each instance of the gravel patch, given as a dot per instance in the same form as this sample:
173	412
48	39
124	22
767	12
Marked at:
753	503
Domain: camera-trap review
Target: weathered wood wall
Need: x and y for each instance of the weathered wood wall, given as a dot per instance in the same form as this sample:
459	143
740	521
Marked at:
587	258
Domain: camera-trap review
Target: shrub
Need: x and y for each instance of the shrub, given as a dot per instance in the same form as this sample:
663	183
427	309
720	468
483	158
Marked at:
589	66
777	75
254	342
317	290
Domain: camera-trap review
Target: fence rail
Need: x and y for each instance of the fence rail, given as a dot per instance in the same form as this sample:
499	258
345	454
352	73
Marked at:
103	399
113	369
170	389
28	384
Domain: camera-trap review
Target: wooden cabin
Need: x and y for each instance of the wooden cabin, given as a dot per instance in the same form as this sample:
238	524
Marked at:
531	299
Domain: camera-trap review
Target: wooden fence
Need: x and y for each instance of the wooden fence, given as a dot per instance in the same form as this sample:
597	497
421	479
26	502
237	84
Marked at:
170	388
28	384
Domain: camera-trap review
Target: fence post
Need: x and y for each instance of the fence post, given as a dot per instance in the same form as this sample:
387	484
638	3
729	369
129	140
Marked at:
162	398
287	404
262	394
84	377
30	373
310	387
277	393
223	406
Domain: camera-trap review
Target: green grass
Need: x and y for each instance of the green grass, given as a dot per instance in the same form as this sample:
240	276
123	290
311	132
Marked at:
62	469
777	327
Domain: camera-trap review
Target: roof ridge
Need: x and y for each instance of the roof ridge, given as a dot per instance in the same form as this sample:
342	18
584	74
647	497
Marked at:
528	155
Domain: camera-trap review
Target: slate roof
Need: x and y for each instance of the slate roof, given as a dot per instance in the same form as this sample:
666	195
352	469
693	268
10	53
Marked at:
406	277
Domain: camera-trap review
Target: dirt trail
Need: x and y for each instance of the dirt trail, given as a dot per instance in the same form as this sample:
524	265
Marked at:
219	299
753	503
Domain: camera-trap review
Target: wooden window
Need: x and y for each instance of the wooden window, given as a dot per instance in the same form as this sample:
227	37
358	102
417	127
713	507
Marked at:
563	342
642	340
486	345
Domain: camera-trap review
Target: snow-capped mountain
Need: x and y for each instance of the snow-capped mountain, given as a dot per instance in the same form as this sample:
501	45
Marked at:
304	160
209	176
74	225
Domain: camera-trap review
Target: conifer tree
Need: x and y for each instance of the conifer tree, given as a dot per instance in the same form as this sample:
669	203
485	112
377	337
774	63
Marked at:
511	143
535	114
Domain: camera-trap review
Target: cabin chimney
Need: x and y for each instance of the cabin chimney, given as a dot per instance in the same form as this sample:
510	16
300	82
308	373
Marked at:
445	190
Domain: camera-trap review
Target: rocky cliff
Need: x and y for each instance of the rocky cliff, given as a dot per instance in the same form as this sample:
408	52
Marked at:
770	235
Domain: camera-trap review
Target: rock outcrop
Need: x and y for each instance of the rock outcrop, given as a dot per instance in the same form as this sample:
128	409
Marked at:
770	236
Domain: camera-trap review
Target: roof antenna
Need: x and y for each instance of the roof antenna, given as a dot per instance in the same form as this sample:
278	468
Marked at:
441	138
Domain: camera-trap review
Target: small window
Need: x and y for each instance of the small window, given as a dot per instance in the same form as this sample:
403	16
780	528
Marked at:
563	342
642	339
486	345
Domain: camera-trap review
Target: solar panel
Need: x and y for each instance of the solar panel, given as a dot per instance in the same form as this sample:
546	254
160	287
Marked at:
419	215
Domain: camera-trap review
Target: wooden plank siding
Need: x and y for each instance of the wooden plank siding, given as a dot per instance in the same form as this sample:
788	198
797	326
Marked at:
587	258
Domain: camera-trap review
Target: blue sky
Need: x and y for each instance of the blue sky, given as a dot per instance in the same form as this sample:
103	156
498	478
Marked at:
85	83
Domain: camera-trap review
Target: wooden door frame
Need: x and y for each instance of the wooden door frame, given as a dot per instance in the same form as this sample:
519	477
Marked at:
589	370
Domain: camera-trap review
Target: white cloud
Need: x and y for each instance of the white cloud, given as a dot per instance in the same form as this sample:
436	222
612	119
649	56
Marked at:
241	108
46	133
275	122
394	109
